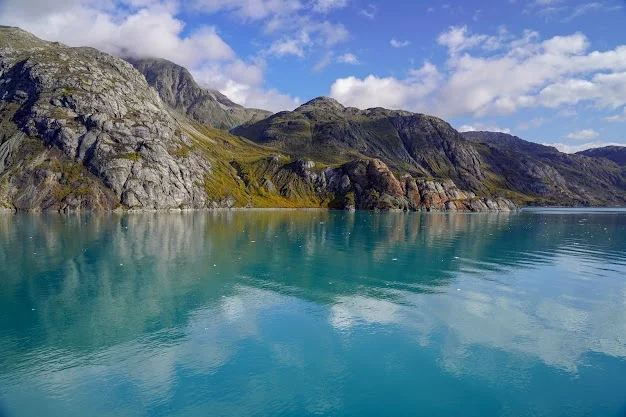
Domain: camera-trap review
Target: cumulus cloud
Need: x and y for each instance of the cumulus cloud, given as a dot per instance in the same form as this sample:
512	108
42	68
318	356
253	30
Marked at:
500	74
148	28
389	92
456	39
244	83
585	134
153	31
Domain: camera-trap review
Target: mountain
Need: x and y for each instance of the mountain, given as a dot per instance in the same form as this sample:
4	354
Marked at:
417	144
542	175
424	146
616	154
179	90
80	129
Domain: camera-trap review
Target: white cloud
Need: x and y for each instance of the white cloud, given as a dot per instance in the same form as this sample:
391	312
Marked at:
565	11
458	38
147	28
288	47
617	118
251	9
350	59
479	127
585	134
563	147
387	92
309	36
144	32
325	6
369	12
498	75
399	44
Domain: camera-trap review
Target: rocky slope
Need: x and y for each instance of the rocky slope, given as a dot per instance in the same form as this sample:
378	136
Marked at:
179	90
80	129
542	175
616	154
324	130
426	147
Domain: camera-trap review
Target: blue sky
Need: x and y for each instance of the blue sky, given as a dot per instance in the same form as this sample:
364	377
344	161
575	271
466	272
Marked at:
550	71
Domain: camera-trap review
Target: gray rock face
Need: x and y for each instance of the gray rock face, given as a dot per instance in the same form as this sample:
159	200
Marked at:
100	112
180	91
374	187
369	184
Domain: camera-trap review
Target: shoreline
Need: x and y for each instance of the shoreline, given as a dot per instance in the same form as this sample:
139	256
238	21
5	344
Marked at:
248	209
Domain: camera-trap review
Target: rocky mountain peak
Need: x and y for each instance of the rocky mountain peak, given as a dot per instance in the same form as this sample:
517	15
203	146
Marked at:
322	103
178	89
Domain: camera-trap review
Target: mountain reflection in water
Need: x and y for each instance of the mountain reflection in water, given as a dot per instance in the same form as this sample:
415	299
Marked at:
313	312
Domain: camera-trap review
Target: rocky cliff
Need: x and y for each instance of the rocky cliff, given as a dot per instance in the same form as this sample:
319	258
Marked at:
80	129
179	90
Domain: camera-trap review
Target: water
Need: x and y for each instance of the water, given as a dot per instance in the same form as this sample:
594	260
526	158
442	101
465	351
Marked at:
313	313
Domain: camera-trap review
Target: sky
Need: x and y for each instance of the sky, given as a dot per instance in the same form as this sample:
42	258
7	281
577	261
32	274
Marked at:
549	71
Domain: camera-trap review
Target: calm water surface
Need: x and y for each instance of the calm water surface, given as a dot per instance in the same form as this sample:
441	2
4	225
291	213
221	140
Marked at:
313	313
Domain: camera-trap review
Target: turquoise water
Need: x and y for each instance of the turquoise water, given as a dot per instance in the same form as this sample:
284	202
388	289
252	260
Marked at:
313	313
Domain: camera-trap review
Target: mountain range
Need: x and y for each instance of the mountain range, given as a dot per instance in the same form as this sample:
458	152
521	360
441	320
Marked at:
80	129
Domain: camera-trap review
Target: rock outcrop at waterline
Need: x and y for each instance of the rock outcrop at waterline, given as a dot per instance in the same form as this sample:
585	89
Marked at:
370	184
82	130
365	184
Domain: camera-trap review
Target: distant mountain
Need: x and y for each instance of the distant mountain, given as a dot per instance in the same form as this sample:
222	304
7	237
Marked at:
80	129
616	154
325	130
486	163
543	175
179	90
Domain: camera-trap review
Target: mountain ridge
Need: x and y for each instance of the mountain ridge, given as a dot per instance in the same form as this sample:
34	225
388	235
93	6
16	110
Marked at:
487	163
83	130
325	130
616	154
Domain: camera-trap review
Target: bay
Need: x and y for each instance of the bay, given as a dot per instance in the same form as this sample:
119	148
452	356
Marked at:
297	313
